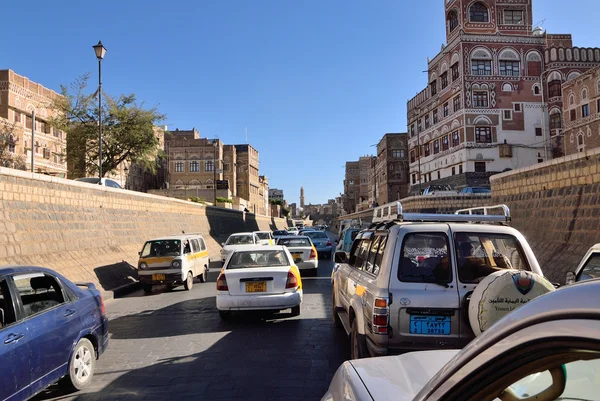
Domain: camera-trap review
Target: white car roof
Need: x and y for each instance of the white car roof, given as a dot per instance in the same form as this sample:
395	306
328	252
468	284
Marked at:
265	232
179	237
261	248
240	234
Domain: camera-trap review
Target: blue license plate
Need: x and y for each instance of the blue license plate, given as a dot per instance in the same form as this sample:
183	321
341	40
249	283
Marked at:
430	325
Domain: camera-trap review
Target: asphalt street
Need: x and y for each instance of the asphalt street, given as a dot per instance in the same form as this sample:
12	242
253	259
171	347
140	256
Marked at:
173	345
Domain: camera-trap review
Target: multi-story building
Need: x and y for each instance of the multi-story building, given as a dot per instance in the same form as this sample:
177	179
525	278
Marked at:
391	174
230	168
367	168
276	194
351	187
581	104
194	163
19	98
484	110
247	184
263	199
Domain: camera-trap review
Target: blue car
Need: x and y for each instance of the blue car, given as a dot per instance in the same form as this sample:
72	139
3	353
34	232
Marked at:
322	242
50	329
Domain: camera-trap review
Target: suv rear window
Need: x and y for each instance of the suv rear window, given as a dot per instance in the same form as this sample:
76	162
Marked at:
480	254
425	259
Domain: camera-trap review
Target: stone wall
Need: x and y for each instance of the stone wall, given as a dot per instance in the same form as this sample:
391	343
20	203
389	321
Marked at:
93	233
555	205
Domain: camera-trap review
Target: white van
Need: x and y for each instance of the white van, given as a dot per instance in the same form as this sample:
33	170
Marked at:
173	260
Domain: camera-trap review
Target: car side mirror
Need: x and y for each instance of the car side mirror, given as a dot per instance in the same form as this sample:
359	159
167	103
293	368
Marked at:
571	278
340	257
222	244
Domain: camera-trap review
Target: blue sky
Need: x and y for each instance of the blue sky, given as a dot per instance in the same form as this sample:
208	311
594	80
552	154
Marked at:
315	82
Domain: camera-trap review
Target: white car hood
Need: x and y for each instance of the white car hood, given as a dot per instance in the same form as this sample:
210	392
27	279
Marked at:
400	378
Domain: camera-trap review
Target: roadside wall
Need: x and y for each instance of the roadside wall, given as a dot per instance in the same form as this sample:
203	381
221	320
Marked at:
92	233
555	205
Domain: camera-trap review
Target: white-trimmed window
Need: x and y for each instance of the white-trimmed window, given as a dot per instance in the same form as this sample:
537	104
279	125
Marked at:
509	64
513	17
517	107
179	167
209	165
507	115
479	13
480	99
194	166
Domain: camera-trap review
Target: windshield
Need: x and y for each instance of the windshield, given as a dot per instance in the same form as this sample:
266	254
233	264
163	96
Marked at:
263	235
591	269
240	240
252	259
280	232
171	247
316	235
291	242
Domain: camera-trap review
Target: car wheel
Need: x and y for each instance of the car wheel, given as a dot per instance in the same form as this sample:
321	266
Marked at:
189	282
147	288
225	314
202	276
296	311
358	343
83	364
337	322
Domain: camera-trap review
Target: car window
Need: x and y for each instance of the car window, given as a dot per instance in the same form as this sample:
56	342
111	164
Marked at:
316	234
7	310
591	269
240	240
202	244
38	292
195	245
480	254
372	254
425	259
112	184
253	259
379	256
294	242
186	247
171	247
361	253
263	235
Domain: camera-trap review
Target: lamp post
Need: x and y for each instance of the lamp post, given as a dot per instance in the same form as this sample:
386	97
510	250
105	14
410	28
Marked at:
100	51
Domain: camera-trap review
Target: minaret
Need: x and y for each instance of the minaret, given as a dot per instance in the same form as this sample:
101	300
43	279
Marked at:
301	196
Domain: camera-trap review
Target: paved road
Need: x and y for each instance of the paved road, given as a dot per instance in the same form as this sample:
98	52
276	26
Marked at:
173	345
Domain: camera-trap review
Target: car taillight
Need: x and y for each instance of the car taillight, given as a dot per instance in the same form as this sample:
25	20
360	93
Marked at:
381	314
328	243
102	308
313	254
222	283
292	281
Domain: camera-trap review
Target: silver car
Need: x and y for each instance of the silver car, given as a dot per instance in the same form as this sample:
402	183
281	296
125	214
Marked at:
548	349
322	242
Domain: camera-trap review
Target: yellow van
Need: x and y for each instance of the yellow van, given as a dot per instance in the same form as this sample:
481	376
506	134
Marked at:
173	260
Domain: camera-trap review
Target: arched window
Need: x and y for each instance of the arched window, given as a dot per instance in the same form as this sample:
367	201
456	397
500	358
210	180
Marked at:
481	62
536	90
534	64
584	94
479	13
37	147
573	74
509	63
580	142
555	86
555	119
452	20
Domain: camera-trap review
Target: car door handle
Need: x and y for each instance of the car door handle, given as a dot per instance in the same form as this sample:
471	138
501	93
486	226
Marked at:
12	337
69	312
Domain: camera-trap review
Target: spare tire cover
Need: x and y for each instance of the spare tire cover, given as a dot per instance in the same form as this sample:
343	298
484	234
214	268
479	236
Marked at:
502	292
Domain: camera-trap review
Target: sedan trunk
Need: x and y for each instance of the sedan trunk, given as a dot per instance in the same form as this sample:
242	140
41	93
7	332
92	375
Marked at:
257	281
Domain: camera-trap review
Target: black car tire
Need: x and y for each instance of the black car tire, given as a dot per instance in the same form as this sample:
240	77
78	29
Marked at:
82	365
358	343
296	311
147	288
189	282
337	322
202	277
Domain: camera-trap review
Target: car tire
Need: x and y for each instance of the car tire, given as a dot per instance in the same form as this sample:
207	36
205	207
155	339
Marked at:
225	314
202	276
82	365
296	310
189	282
147	288
337	322
358	343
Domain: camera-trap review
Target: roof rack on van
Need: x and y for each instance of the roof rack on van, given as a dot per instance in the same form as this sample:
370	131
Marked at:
393	212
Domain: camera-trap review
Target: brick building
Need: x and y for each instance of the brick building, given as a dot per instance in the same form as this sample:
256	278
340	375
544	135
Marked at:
19	97
248	184
367	172
484	110
581	104
351	187
391	172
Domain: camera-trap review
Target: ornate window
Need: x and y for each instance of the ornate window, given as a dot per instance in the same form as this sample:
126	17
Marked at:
455	139
580	142
509	63
455	71
427	149
483	134
444	78
513	17
436	147
435	116
445	143
480	99
209	165
555	88
534	64
479	13
194	166
446	109
179	167
585	110
481	62
452	20
456	103
433	86
555	120
427	124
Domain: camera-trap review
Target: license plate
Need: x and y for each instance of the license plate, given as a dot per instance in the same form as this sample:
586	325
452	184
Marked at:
297	257
430	325
257	286
158	277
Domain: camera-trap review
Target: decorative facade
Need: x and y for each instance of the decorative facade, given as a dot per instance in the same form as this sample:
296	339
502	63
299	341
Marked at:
485	109
19	97
581	105
390	180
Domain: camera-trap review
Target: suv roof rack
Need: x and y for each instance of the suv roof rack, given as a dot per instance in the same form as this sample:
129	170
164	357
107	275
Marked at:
393	212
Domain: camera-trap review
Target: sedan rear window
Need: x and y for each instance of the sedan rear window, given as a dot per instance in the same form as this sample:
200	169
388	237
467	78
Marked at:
480	254
316	234
240	240
293	242
252	259
158	248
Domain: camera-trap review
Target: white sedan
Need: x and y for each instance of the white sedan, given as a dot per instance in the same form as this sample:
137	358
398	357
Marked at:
238	241
261	277
302	250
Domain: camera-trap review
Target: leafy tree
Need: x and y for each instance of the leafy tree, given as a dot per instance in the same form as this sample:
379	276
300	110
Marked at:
127	130
8	158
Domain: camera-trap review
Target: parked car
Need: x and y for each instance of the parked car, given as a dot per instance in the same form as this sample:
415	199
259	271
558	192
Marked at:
280	233
303	252
322	242
50	329
173	260
293	230
588	268
429	265
547	349
265	237
439	190
259	278
107	182
237	241
476	190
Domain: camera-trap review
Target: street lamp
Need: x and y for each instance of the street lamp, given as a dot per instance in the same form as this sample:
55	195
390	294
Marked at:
100	51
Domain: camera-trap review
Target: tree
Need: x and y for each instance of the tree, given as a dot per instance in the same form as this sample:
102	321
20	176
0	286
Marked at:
127	130
8	158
